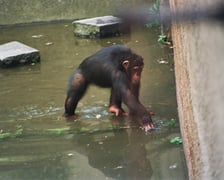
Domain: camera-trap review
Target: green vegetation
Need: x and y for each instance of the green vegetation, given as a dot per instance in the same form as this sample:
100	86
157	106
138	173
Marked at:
162	38
58	131
154	10
86	30
18	132
171	123
176	140
155	13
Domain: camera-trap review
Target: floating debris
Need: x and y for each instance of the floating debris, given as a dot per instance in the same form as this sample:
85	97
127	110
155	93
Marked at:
118	167
70	154
48	43
37	36
98	116
174	166
162	61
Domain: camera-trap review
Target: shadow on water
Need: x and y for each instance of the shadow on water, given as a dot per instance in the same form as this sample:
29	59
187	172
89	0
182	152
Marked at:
97	145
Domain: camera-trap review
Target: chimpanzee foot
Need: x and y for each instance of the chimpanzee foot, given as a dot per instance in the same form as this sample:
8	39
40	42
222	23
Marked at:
70	117
117	111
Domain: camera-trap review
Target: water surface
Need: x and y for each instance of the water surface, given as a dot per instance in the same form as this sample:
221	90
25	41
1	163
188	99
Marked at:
94	146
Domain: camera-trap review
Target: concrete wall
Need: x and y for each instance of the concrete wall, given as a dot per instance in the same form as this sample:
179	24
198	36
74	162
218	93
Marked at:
199	70
26	11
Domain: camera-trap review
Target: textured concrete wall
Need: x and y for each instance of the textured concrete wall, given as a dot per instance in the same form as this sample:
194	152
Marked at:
26	11
199	70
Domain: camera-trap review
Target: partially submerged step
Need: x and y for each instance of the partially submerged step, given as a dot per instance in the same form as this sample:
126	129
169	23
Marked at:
99	27
15	53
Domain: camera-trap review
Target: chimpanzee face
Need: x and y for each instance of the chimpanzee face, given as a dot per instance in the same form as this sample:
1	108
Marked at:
135	74
137	70
134	66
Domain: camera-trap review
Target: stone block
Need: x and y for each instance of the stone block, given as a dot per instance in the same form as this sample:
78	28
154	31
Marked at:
99	27
15	53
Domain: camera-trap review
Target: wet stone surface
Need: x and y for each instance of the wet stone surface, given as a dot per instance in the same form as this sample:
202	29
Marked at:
99	27
15	53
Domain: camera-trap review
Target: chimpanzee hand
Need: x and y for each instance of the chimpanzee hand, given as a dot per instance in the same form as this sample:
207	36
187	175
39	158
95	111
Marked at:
147	123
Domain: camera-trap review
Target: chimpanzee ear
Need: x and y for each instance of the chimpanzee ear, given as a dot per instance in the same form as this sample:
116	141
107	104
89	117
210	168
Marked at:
125	64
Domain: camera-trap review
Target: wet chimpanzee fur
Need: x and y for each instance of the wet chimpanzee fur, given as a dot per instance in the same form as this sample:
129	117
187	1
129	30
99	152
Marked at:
116	67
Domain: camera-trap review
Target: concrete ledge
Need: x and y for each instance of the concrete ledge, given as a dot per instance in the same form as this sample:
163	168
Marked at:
15	53
100	27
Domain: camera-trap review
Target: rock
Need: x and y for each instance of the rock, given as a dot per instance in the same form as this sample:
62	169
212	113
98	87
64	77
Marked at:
15	53
99	27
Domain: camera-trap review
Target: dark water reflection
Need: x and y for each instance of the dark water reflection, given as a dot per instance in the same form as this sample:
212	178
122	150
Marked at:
32	97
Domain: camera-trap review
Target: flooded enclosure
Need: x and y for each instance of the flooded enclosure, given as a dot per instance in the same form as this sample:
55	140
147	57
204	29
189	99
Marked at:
37	143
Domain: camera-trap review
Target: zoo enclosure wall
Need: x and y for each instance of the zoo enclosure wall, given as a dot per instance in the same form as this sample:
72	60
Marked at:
198	57
26	11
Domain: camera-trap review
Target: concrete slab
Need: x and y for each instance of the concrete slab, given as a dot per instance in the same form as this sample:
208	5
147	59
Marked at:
99	27
15	53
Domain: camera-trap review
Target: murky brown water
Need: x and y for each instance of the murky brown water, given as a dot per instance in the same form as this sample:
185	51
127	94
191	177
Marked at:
32	98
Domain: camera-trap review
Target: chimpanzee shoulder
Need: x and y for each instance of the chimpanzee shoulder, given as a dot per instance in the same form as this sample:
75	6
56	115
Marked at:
115	54
120	50
114	50
119	53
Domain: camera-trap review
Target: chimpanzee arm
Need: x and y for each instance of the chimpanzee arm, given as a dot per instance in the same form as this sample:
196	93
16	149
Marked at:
132	102
136	108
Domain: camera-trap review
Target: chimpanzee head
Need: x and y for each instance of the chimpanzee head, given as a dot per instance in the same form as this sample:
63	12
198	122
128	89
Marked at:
134	66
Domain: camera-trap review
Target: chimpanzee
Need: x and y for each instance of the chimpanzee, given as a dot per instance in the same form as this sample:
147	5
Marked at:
116	67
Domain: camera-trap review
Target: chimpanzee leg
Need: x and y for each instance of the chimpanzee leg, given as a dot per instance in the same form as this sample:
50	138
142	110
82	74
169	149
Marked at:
76	90
115	104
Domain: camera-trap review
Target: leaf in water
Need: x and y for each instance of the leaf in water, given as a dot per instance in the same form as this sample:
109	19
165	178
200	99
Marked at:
58	131
18	133
5	135
176	140
15	134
